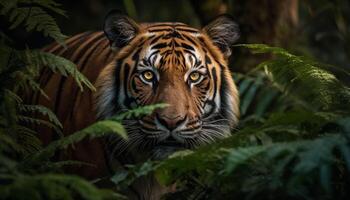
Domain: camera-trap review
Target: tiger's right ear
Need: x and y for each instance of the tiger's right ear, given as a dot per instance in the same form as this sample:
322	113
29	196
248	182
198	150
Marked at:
224	32
119	28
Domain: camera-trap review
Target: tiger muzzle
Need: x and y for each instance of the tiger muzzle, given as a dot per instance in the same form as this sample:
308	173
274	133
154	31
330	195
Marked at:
171	123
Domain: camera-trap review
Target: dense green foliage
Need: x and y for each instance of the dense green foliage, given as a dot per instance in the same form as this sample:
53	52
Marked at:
26	171
292	141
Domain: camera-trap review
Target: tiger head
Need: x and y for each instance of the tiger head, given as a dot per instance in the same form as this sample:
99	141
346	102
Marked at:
175	64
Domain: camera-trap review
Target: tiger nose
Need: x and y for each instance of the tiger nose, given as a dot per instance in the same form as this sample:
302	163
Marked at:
170	123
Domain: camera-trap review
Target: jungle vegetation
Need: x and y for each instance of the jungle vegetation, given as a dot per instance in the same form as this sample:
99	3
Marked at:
293	140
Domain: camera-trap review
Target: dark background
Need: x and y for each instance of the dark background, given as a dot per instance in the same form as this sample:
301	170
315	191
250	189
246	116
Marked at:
316	28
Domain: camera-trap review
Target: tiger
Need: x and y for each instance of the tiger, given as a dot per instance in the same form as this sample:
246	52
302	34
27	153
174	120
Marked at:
137	64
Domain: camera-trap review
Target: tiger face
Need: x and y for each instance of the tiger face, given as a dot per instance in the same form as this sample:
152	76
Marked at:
175	64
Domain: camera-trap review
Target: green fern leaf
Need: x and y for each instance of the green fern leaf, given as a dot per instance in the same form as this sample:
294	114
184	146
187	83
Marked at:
240	156
31	120
28	140
56	63
8	143
137	112
35	18
43	110
53	186
98	129
304	79
13	96
48	4
27	80
7	6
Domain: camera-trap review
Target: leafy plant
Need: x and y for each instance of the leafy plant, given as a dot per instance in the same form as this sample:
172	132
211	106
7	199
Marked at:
298	151
33	14
19	69
52	186
26	171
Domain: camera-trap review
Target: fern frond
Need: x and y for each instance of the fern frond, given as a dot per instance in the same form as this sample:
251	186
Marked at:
301	158
8	143
27	139
248	90
61	164
7	6
3	121
98	129
8	111
53	186
259	97
62	65
7	164
31	120
34	18
26	80
137	112
13	96
239	156
6	54
27	166
49	4
304	79
43	110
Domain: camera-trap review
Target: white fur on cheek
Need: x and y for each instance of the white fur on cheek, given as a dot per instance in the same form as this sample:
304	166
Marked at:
106	88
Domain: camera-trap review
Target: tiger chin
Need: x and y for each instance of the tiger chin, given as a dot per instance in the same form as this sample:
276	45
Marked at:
135	65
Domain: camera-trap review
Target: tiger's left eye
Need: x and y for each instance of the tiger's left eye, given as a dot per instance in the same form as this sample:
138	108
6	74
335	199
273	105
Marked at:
195	76
148	75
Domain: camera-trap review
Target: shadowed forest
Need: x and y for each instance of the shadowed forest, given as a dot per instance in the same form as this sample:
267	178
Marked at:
291	66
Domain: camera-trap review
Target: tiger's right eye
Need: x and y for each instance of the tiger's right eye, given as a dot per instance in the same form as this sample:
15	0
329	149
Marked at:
148	75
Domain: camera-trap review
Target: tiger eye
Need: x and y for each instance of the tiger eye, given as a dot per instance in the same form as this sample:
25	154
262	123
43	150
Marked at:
148	75
194	76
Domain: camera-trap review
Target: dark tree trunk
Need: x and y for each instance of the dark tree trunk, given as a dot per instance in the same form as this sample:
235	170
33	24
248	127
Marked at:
261	21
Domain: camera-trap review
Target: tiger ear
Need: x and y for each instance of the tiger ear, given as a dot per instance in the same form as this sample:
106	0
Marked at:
119	28
224	32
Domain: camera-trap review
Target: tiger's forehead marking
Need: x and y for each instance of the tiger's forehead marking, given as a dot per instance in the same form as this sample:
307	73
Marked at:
170	27
172	44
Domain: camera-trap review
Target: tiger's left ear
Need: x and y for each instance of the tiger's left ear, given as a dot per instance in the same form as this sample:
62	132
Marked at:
119	28
224	32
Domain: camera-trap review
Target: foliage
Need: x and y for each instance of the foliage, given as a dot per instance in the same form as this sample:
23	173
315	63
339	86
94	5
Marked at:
26	171
19	69
140	111
32	14
305	79
53	186
294	148
56	63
